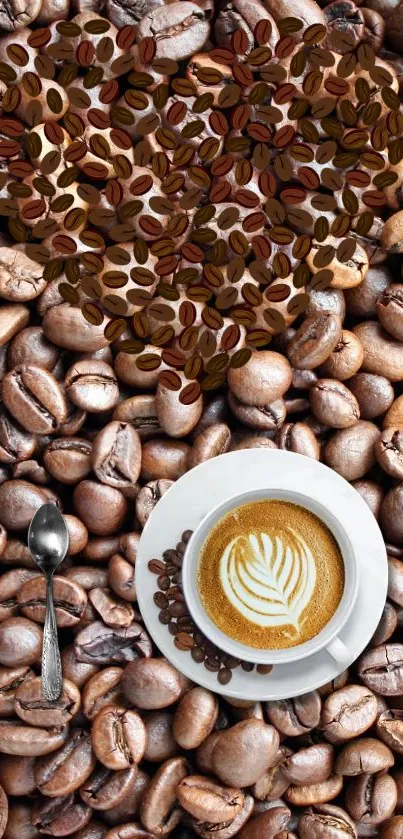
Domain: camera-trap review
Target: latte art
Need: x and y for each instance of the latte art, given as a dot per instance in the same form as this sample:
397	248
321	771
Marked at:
270	574
269	579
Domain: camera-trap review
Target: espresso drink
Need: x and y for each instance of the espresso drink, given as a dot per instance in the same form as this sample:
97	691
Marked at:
270	574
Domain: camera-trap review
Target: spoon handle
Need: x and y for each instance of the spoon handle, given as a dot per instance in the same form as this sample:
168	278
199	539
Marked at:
52	679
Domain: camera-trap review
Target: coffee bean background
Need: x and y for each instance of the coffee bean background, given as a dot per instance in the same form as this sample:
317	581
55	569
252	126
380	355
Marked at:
112	118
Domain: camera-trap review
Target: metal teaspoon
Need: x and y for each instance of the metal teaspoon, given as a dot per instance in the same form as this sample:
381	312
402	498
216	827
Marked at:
48	541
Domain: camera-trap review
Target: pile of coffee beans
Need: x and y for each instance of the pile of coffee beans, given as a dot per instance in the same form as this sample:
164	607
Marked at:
133	750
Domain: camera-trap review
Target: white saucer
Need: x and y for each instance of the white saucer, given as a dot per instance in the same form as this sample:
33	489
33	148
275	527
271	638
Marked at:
207	485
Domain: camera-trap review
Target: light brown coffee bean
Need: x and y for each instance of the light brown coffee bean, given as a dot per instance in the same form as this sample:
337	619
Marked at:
164	458
100	690
207	801
211	442
314	341
118	737
195	718
326	820
346	358
309	766
151	683
33	708
366	755
333	404
348	712
30	741
304	795
160	741
371	799
68	768
244	752
159	811
262	380
350	451
383	354
295	716
373	393
381	669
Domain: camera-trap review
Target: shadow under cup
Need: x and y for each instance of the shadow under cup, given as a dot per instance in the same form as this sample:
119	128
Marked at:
327	638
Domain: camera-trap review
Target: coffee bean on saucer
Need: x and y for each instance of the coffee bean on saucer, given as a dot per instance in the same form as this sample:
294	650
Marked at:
163	582
156	566
161	600
224	676
198	654
212	664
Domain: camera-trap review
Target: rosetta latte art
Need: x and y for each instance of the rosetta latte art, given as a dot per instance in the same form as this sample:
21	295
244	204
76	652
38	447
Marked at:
269	579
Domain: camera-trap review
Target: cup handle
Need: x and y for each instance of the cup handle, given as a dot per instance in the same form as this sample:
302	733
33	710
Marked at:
339	652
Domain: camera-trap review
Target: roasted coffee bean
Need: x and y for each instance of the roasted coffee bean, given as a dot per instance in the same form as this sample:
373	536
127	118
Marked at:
366	755
32	707
326	820
121	578
333	403
20	642
113	611
159	811
116	455
30	741
163	458
180	32
10	680
151	683
92	386
314	341
105	788
68	460
118	737
60	816
195	718
208	801
295	716
34	397
381	669
102	508
262	380
309	766
101	644
66	769
140	412
70	600
236	760
160	741
348	712
371	799
17	775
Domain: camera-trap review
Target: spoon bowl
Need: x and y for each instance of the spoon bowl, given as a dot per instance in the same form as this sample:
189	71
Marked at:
48	537
48	540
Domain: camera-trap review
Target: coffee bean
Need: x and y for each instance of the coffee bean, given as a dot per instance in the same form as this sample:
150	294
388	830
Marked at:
151	683
381	669
118	737
256	759
348	712
68	768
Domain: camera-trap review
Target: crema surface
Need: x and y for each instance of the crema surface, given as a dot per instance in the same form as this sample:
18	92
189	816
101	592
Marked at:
271	574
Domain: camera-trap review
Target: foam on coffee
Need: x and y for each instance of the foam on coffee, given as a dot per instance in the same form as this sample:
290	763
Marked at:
271	574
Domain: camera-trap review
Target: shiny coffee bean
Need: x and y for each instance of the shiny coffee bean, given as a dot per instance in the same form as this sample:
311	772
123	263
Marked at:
348	712
66	769
32	707
116	455
118	737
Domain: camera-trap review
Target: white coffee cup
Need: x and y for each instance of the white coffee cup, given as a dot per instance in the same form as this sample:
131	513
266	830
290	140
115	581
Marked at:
327	639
